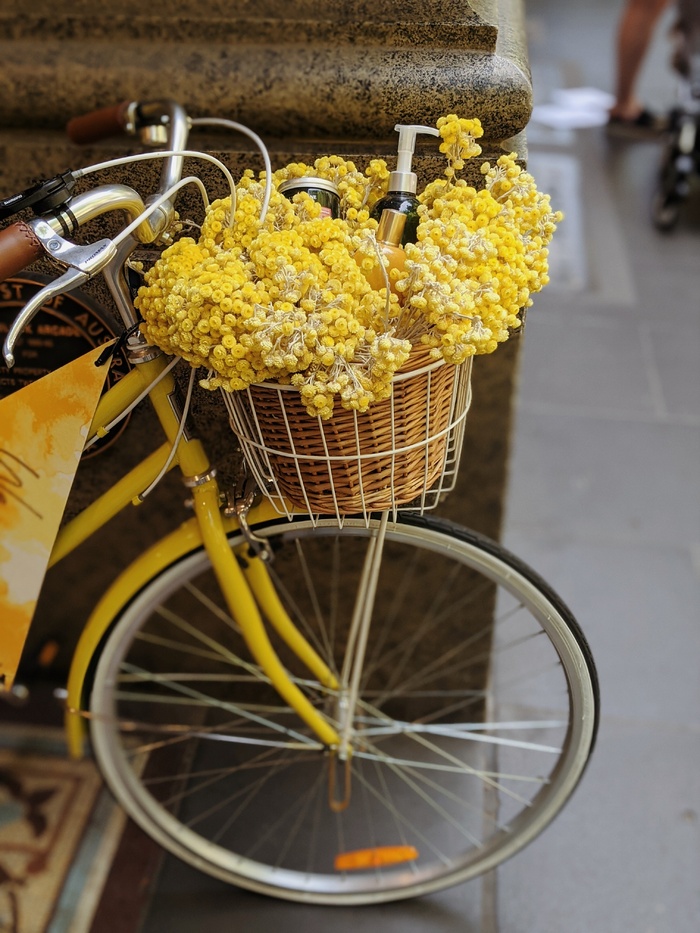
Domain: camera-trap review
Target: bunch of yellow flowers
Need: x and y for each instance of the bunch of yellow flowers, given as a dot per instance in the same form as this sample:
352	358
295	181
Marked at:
283	297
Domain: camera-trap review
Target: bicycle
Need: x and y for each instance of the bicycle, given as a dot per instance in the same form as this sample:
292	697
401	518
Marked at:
680	162
326	708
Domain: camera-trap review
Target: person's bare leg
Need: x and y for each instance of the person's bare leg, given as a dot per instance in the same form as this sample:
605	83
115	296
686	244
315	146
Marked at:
636	28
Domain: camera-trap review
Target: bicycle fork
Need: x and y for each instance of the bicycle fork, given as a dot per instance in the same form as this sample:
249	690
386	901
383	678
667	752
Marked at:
244	610
250	594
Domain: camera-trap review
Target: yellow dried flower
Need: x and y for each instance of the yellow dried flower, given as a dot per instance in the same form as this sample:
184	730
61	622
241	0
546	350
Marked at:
283	297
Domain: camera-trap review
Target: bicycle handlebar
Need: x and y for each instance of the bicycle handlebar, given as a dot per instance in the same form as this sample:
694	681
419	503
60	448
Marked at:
99	124
20	244
164	122
19	247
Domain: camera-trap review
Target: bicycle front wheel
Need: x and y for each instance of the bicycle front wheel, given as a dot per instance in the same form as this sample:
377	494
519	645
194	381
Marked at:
476	716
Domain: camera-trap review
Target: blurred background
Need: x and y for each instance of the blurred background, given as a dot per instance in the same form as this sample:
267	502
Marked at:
604	496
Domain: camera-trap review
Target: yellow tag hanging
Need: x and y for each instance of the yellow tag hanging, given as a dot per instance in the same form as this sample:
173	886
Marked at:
43	428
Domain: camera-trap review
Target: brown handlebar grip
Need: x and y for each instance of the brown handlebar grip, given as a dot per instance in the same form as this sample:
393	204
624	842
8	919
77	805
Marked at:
99	124
19	247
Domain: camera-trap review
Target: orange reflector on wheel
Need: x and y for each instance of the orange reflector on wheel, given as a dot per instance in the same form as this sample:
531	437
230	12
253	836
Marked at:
376	857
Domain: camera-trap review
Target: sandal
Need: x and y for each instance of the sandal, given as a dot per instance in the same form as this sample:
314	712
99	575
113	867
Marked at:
645	124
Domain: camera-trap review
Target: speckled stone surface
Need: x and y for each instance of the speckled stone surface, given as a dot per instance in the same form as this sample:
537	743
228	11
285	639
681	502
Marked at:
305	69
385	76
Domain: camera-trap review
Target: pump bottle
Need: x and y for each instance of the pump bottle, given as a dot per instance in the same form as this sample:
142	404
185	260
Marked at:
389	233
403	182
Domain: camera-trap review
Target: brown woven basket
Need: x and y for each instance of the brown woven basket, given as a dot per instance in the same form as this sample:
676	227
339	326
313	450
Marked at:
353	462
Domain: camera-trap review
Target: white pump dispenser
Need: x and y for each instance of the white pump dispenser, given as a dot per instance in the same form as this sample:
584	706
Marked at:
403	179
403	183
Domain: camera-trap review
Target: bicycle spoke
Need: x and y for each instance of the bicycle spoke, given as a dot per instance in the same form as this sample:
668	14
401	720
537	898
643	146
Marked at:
213	607
221	652
249	793
400	830
317	633
231	708
296	829
187	677
446	757
248	765
326	641
292	810
419	775
442	753
430	625
456	665
317	823
195	788
182	647
469	732
387	803
378	659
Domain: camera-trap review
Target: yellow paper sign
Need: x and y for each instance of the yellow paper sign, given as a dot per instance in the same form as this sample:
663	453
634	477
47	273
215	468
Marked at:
42	433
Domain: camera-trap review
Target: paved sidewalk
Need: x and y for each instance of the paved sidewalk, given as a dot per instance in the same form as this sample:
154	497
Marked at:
605	502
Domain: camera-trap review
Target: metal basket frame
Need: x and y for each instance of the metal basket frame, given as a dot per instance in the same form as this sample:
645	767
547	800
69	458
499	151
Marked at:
248	424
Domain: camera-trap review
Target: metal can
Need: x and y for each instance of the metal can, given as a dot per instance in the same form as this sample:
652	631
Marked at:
324	192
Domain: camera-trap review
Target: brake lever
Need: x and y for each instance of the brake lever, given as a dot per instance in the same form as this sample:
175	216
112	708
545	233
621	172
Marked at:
91	258
84	263
67	282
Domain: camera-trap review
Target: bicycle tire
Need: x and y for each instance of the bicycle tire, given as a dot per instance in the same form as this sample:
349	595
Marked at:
201	753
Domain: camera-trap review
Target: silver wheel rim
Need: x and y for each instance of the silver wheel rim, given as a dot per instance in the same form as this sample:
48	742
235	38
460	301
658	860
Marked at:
361	887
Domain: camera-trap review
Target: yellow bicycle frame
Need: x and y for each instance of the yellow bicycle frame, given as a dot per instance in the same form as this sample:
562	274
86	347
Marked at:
248	592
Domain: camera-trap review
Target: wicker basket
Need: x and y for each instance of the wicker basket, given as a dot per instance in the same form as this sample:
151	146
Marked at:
351	463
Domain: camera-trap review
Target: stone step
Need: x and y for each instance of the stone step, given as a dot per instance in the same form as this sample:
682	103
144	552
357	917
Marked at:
403	32
306	69
308	91
409	23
